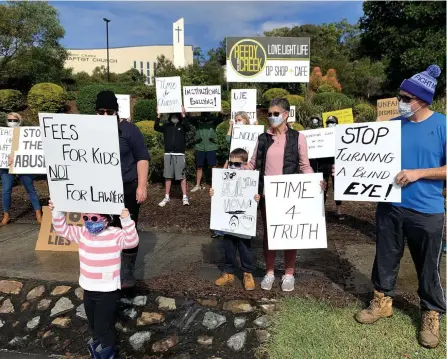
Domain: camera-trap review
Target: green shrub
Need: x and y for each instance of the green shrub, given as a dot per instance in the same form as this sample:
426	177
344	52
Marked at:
305	110
145	110
294	100
3	118
47	97
325	88
364	112
143	91
86	99
297	126
273	93
332	101
439	106
221	134
153	138
71	96
11	100
226	108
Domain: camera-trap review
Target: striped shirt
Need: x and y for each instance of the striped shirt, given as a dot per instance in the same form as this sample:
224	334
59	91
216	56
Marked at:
99	254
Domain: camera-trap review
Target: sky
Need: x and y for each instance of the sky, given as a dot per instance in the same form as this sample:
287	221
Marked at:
206	23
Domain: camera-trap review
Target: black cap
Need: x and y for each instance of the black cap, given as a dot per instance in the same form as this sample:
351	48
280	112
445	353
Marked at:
106	100
332	119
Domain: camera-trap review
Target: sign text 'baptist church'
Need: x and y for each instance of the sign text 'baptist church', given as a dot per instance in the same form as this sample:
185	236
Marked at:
89	58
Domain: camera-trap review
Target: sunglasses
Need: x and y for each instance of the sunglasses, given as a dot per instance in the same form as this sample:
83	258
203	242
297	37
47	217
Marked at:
91	218
235	164
405	98
276	114
13	120
103	111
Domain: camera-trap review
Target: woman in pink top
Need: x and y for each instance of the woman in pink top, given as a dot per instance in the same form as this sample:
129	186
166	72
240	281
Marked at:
281	150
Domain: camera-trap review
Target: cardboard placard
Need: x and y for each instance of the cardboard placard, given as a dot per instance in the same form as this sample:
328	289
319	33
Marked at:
320	142
292	114
48	240
387	108
344	116
6	134
123	106
27	151
246	137
202	98
244	100
169	94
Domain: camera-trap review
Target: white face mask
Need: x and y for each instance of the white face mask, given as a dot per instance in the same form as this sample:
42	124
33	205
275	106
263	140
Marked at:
405	109
13	123
331	124
174	120
276	121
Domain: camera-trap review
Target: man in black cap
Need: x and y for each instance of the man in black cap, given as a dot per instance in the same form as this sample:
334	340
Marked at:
134	169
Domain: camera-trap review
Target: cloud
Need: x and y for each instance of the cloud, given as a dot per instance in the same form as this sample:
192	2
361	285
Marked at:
270	25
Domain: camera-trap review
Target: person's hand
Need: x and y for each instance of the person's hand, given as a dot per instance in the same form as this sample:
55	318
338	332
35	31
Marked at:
333	170
257	197
10	160
405	177
323	185
158	113
125	213
141	194
183	112
211	192
50	205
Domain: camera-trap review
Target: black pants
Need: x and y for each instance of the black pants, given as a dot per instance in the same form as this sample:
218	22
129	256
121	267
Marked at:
424	236
231	245
100	308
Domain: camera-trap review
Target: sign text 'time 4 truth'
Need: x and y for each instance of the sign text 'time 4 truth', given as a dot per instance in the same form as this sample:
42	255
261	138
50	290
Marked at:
268	59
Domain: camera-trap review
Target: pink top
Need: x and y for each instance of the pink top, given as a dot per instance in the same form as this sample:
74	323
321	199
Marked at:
99	254
275	155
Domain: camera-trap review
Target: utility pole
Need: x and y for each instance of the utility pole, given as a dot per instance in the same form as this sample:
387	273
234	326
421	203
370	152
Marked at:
107	39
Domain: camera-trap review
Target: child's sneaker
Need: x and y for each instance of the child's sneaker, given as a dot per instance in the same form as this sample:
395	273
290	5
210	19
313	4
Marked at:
196	188
288	283
164	202
185	201
224	279
267	282
249	282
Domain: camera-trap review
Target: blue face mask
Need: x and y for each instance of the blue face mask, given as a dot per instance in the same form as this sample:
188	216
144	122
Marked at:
276	120
95	227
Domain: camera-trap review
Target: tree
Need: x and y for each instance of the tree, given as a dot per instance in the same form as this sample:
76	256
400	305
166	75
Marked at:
30	51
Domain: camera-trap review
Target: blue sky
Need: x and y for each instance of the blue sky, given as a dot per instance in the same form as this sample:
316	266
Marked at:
206	23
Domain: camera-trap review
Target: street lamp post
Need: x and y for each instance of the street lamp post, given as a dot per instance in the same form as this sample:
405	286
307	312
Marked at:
107	37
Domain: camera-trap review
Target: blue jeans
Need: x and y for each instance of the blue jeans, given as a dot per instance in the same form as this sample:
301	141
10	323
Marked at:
27	181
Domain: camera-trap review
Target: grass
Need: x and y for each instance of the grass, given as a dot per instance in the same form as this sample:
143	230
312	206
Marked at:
307	329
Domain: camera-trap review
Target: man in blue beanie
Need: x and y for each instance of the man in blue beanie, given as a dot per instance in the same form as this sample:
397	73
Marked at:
420	215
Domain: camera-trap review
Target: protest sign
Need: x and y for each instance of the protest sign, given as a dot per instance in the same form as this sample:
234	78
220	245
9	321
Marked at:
233	207
244	100
169	94
246	137
5	145
387	109
344	116
123	106
292	114
320	142
295	211
27	151
202	98
268	59
48	240
83	169
367	159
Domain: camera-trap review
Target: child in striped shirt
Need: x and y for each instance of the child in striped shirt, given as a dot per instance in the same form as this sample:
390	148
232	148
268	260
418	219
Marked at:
100	248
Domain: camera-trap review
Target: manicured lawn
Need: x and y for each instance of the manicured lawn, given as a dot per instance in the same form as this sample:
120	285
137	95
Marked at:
307	329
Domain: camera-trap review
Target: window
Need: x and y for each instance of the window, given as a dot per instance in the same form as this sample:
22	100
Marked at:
134	64
148	73
155	66
141	67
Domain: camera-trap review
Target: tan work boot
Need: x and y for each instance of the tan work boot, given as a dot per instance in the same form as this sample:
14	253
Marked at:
224	279
5	220
39	216
380	307
249	282
429	332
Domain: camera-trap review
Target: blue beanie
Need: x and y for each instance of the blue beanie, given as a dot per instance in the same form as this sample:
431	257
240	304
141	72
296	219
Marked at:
423	85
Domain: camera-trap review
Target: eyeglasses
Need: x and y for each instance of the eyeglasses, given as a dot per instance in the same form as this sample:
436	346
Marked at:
405	98
276	114
90	218
102	111
235	164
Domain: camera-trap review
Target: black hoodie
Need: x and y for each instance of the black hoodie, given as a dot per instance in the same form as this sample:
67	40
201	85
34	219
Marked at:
173	134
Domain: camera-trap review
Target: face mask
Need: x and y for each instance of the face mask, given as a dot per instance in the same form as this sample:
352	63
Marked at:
13	124
95	227
405	109
240	123
174	120
331	124
275	120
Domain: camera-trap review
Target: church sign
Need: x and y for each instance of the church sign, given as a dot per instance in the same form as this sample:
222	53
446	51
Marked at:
89	58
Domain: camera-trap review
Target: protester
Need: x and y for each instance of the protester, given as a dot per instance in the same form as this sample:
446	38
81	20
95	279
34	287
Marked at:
15	120
206	143
420	215
134	169
233	242
240	118
174	132
281	150
315	122
100	246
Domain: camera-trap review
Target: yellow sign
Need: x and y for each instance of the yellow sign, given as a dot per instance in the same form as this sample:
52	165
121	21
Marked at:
344	116
387	109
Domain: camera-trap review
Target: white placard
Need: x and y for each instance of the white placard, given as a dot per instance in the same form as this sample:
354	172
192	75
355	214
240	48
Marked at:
5	145
233	207
169	94
246	137
83	169
202	98
123	106
320	142
367	159
292	114
295	211
244	100
29	157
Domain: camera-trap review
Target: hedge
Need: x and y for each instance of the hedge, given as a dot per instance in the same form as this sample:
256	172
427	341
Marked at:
11	100
273	93
364	113
294	100
86	99
439	106
331	101
226	108
325	88
153	138
143	91
305	110
145	110
47	97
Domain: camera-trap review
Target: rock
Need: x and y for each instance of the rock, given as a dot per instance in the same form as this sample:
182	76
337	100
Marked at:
44	304
140	301
268	308
237	341
166	303
80	312
263	336
2	323
238	306
79	293
33	323
120	327
266	300
17	341
62	306
47	334
150	318
138	340
61	322
7	307
239	322
60	290
208	302
262	322
165	344
212	320
35	293
205	340
126	301
24	306
10	287
131	313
